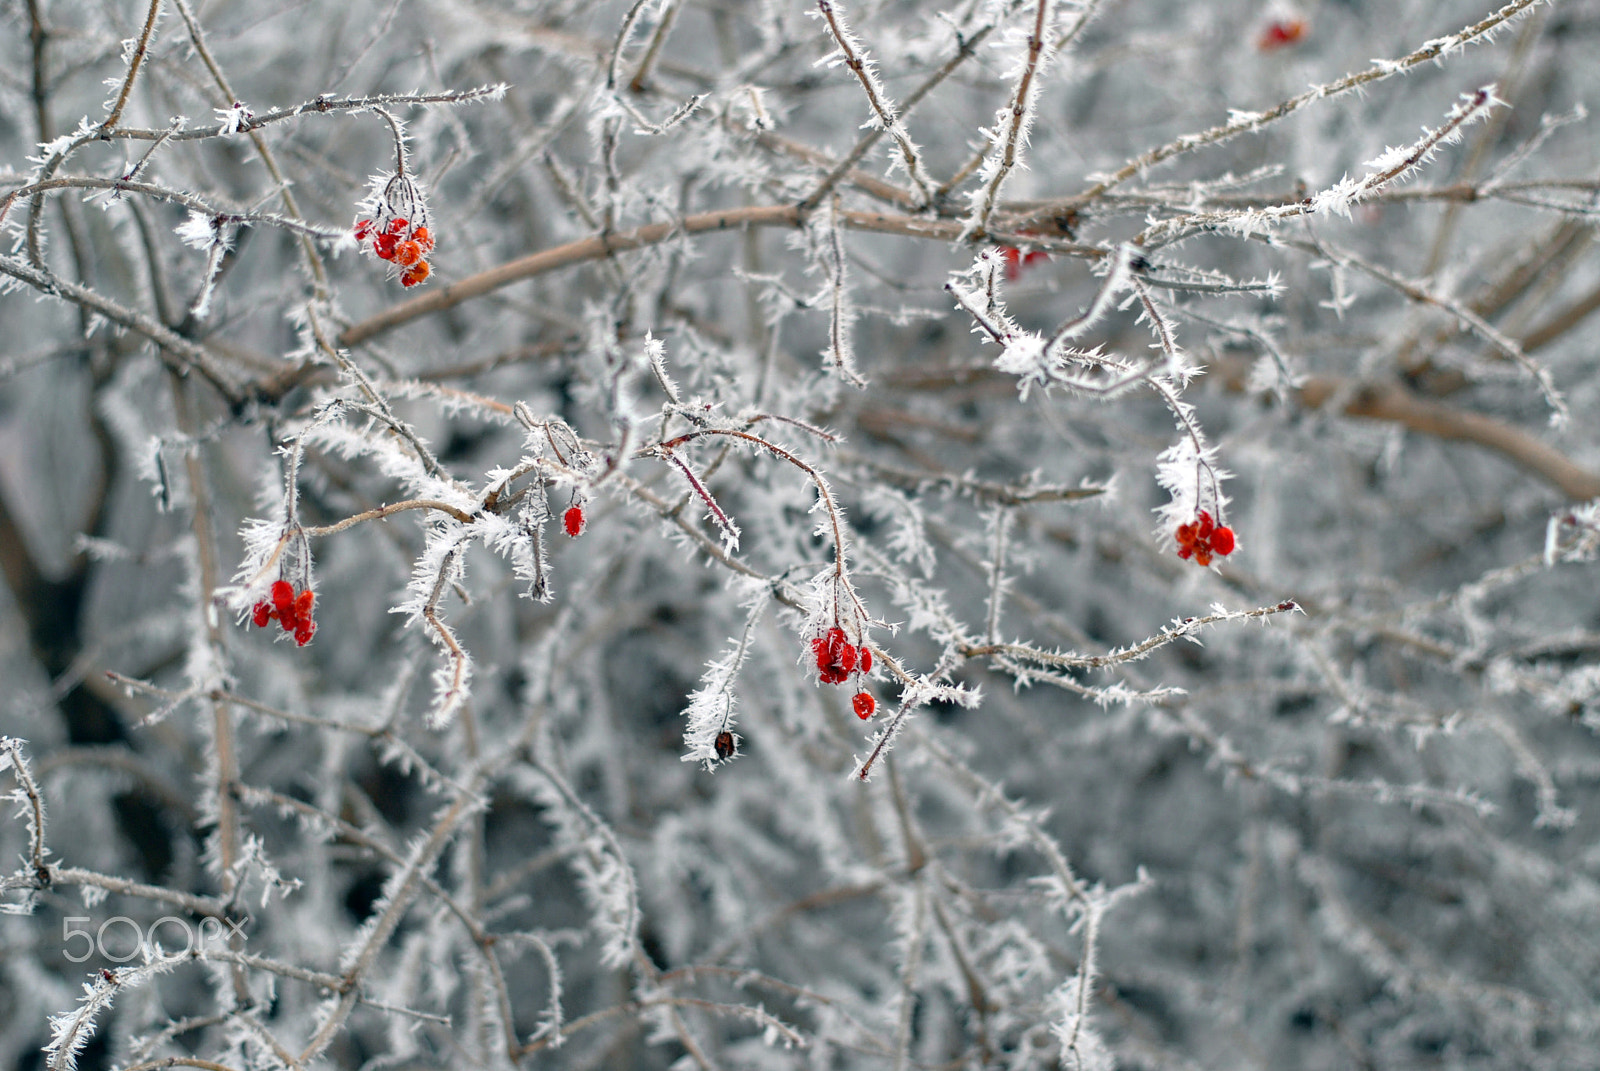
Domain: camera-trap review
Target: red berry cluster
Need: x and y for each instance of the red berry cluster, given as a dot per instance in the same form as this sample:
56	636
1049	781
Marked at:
837	659
1016	260
574	521
401	244
289	609
1203	537
1281	33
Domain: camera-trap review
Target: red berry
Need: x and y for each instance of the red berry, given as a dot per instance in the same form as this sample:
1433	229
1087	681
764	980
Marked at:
1206	525
363	228
424	239
282	594
865	663
864	705
303	602
1016	260
383	246
819	647
262	614
1281	32
573	521
397	226
303	634
1013	257
834	639
407	254
1222	541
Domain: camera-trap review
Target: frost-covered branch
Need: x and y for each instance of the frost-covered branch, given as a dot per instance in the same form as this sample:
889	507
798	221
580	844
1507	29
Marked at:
1247	122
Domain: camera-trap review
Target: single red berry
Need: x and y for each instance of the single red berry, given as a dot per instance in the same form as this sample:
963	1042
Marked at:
397	226
303	603
282	594
262	614
1016	260
1222	541
1281	33
363	228
383	246
1203	532
303	634
1013	258
865	662
864	705
573	521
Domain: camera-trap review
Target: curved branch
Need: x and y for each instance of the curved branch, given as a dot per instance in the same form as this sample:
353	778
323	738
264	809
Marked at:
1394	402
599	246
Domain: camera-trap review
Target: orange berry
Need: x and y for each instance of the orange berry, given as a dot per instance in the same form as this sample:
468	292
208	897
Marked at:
423	239
414	274
407	254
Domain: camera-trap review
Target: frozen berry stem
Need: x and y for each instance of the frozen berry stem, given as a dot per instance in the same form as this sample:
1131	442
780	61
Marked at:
398	230
667	451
